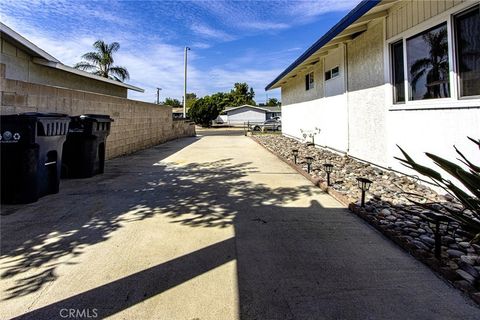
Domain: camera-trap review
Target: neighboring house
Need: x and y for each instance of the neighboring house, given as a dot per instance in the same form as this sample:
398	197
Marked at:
273	112
390	73
247	113
26	62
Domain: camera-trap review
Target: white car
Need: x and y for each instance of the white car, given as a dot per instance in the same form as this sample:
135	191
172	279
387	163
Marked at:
270	124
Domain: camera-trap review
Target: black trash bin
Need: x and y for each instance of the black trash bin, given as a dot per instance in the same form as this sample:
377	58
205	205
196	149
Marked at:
84	150
31	149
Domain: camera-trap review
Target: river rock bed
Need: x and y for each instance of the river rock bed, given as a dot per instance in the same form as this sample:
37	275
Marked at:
389	210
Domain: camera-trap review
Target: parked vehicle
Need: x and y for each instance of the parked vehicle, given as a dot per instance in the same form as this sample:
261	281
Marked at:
271	124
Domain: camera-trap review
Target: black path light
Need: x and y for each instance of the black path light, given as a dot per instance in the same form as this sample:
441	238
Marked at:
364	185
309	163
295	155
435	220
328	169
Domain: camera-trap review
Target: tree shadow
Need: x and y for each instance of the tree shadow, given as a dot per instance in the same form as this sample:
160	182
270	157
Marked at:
292	262
39	236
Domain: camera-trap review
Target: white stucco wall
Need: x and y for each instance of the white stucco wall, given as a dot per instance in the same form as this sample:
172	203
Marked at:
294	90
335	58
357	127
327	114
365	122
245	114
434	131
366	95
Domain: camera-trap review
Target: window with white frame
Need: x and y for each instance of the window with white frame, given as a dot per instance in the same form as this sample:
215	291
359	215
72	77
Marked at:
398	78
309	81
423	60
332	73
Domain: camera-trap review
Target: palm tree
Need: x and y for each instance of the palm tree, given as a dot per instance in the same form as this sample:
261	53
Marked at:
100	62
435	67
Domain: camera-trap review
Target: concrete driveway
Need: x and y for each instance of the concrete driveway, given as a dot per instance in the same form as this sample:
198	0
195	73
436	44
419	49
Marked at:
212	227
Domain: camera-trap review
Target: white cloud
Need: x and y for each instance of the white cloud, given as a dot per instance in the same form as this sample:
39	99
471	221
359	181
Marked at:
208	32
264	25
200	45
154	62
161	66
305	10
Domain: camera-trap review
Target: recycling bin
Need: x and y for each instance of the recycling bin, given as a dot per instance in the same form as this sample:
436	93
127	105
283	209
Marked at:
84	150
31	149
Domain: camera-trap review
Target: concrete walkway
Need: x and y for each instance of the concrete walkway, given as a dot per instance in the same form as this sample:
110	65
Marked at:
213	227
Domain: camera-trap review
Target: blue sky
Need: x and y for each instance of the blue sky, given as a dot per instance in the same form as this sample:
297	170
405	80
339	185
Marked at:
241	41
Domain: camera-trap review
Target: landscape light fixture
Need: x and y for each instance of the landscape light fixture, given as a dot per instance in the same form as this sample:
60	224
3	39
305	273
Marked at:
435	220
295	155
328	169
309	163
311	144
364	185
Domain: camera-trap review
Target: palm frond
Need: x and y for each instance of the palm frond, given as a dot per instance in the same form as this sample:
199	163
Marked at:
93	57
85	66
120	72
100	62
113	47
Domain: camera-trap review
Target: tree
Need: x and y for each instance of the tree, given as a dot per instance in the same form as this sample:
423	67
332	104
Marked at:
191	98
241	94
100	62
273	102
172	102
205	109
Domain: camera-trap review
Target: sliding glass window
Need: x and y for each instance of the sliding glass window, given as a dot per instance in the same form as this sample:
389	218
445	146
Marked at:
467	38
398	77
427	64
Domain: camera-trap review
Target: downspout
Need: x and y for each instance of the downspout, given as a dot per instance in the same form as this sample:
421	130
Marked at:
346	93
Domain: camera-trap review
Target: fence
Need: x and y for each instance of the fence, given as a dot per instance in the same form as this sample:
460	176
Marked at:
137	125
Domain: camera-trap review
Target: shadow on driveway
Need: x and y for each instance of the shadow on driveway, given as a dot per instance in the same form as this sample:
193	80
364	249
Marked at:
307	262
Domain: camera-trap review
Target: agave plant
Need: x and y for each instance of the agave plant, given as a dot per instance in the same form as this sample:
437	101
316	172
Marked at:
469	215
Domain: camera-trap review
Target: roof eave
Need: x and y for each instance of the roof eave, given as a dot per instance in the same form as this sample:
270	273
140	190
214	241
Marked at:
362	8
82	73
26	44
248	106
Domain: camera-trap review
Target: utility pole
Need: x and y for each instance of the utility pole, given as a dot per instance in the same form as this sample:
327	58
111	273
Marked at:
185	85
158	95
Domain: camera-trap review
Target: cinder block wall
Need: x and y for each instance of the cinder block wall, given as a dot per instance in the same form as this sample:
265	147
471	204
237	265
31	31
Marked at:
137	125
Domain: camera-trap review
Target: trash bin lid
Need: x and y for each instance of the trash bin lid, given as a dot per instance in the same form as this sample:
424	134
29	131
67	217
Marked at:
43	114
95	117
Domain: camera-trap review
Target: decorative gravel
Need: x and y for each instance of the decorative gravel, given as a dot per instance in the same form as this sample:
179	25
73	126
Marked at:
388	209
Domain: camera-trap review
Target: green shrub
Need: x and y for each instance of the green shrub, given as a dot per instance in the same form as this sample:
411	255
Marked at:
204	110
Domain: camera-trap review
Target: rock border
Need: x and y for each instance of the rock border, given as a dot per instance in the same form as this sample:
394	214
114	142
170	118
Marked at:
442	270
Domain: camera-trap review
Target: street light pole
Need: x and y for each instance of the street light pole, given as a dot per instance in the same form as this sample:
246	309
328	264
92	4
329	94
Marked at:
185	86
158	95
